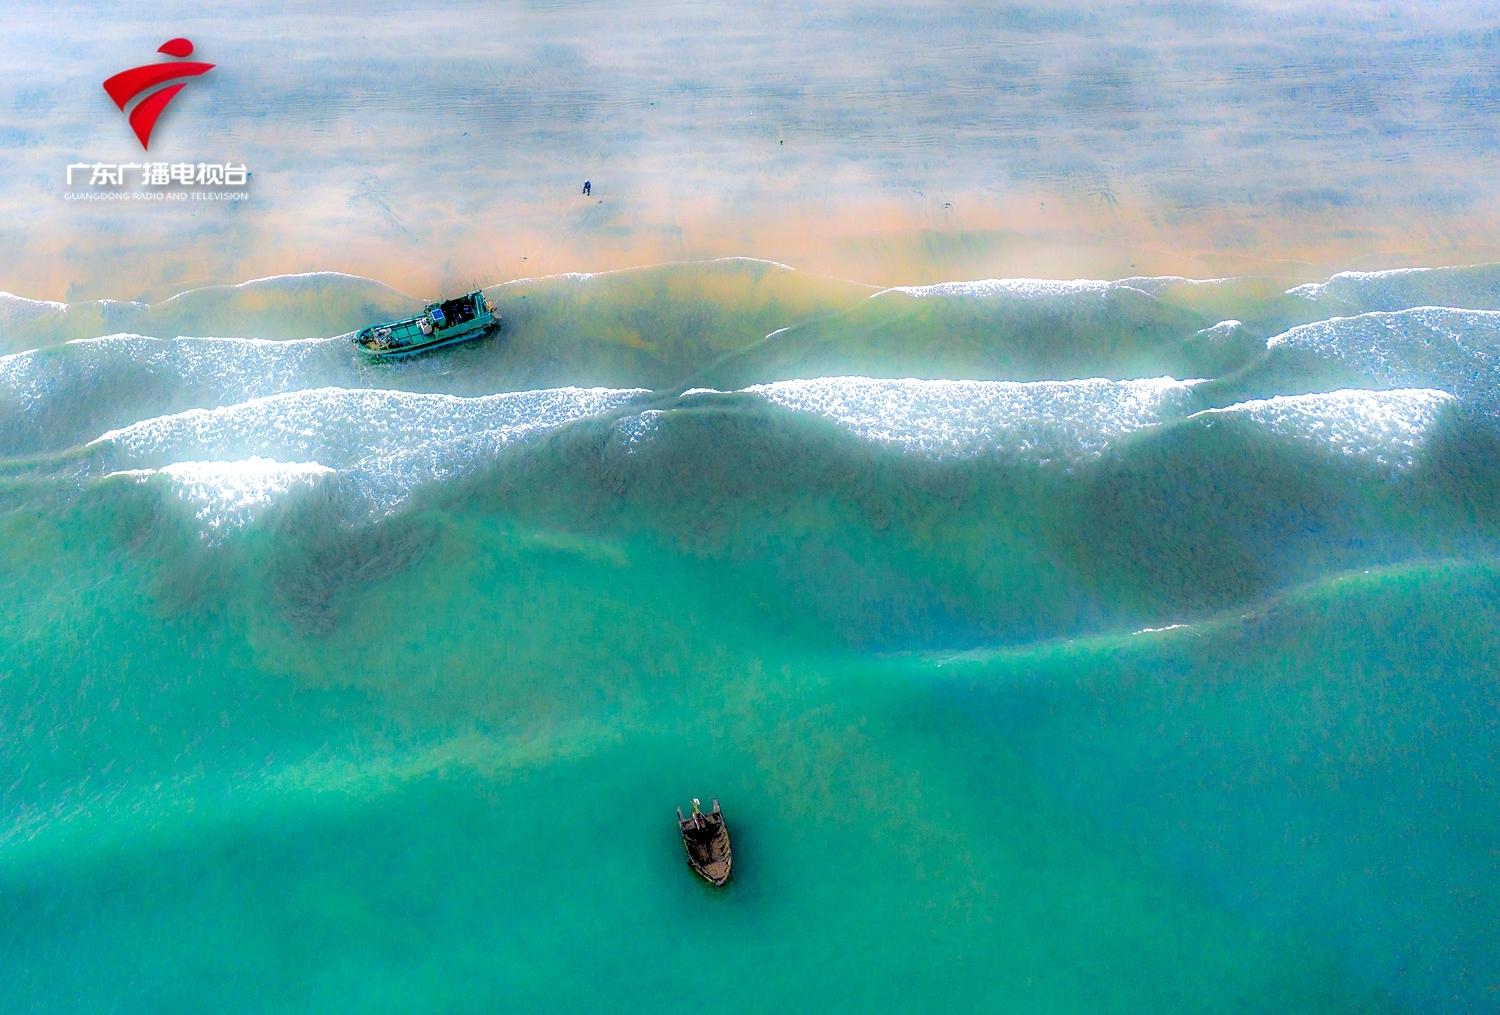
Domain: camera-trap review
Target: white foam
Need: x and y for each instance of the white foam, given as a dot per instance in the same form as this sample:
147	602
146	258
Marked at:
1475	286
216	370
137	344
743	259
1456	350
570	276
1316	290
638	429
291	278
1039	421
583	276
383	443
1022	288
1051	288
20	312
27	303
1387	428
1152	283
229	494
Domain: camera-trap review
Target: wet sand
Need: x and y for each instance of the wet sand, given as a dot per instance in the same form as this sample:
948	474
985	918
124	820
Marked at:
448	146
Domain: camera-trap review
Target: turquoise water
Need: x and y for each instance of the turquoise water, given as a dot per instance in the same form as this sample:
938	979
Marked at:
1051	647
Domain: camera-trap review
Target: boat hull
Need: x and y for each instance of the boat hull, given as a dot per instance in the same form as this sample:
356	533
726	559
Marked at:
441	324
708	850
455	337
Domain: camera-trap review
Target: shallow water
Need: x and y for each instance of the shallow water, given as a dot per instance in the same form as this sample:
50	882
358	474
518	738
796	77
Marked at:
1136	653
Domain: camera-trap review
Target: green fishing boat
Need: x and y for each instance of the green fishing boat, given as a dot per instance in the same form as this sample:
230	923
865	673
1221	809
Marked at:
447	322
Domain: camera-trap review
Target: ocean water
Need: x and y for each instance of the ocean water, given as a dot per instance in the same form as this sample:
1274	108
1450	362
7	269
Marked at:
1051	646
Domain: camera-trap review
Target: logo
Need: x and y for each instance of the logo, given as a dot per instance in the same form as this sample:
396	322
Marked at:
129	84
146	91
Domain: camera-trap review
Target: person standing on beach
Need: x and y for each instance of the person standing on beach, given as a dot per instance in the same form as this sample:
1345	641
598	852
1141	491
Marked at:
587	186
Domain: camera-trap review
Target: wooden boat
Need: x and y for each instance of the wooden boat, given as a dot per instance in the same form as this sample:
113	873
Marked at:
446	322
706	839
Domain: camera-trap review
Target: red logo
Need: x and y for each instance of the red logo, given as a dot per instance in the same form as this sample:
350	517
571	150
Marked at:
128	84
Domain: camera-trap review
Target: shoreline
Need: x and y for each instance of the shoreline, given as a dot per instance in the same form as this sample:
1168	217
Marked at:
132	254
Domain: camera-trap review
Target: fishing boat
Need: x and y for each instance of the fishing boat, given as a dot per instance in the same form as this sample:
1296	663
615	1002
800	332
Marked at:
446	322
706	839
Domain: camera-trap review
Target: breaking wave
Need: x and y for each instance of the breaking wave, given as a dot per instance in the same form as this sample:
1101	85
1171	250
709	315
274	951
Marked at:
267	603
